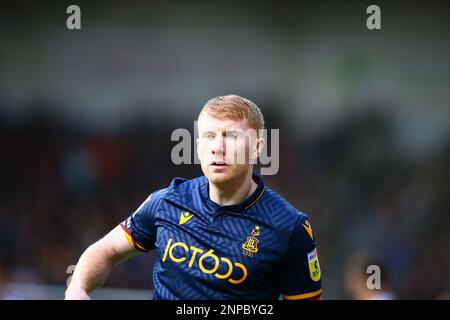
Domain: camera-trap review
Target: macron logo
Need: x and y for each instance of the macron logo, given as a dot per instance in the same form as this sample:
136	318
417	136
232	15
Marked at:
185	217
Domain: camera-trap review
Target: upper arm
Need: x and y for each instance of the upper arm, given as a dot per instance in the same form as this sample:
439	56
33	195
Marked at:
300	275
117	246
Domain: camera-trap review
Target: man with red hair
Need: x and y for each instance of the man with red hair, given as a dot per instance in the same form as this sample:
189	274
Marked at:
224	235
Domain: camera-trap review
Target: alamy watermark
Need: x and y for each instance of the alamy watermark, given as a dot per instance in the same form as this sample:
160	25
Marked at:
373	22
73	21
374	280
240	145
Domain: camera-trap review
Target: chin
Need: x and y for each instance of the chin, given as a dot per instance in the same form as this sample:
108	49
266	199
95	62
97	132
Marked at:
219	178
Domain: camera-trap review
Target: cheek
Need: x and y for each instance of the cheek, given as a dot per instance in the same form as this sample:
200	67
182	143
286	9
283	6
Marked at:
236	150
236	145
202	150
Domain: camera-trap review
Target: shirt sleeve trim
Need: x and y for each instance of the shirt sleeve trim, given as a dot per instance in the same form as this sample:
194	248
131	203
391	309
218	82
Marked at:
131	240
310	295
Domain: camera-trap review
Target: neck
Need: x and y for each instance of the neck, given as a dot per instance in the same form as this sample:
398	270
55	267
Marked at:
233	192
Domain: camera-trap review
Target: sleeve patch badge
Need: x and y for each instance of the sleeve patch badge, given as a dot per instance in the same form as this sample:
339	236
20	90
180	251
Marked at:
313	264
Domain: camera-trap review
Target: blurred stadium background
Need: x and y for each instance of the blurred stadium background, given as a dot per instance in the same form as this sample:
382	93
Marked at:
364	118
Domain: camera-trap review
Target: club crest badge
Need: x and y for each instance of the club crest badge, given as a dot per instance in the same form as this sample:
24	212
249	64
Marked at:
250	247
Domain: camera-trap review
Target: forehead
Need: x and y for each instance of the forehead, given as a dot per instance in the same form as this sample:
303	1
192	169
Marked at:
208	122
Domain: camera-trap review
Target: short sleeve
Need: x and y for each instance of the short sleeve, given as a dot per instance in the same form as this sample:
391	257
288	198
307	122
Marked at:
139	228
300	276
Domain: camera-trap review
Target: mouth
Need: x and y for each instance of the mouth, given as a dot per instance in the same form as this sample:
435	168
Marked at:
218	164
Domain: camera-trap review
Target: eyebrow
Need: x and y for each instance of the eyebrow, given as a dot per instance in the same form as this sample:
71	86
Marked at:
208	132
224	132
233	131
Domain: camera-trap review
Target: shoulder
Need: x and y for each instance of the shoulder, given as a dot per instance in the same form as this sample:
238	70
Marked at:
181	190
178	187
178	184
290	222
293	226
282	208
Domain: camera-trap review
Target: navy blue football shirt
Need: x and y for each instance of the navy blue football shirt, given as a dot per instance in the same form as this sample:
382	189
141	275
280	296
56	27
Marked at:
259	249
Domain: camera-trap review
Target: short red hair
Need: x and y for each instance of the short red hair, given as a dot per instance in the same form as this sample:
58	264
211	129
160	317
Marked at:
236	108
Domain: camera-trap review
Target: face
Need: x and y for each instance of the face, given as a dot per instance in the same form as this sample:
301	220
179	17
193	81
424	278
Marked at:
227	148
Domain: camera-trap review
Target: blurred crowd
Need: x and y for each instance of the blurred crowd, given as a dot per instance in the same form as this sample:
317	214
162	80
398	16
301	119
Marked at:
63	186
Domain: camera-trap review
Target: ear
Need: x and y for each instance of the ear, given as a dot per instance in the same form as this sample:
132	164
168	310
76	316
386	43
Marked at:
260	145
257	149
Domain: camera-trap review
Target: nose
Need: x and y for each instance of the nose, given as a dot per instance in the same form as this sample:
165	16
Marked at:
218	145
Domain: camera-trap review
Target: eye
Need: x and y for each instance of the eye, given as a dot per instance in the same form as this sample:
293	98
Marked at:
232	135
209	136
